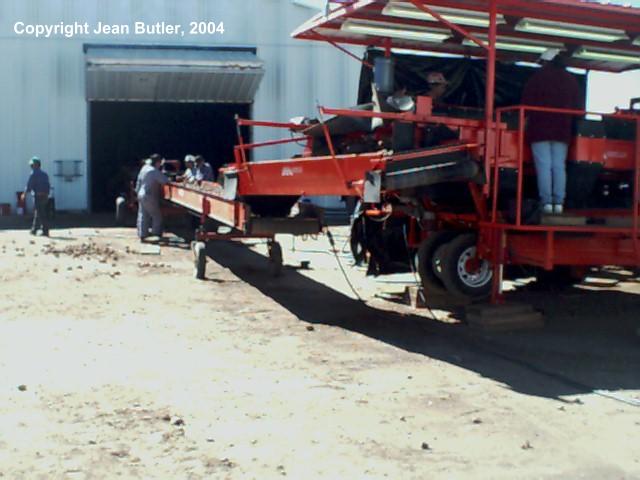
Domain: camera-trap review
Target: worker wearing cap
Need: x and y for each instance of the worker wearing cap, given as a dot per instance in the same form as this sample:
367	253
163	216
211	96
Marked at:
38	184
437	134
149	191
437	86
550	133
204	172
189	174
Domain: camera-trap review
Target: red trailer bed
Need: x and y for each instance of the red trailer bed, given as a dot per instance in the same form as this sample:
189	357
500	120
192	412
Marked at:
208	201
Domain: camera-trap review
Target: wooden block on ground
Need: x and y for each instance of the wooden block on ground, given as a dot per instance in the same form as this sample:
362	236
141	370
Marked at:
508	327
503	318
488	310
445	301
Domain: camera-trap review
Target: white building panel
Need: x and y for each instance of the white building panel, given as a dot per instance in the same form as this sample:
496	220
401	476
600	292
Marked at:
42	82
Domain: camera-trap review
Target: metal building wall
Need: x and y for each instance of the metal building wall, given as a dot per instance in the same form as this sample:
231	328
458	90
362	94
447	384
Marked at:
42	94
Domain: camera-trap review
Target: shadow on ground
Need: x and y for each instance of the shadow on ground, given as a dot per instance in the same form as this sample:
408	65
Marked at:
589	342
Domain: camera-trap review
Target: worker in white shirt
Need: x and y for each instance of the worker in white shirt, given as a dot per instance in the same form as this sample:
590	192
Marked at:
149	191
189	175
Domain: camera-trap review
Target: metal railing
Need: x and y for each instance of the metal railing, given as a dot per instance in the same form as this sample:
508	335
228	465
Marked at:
495	186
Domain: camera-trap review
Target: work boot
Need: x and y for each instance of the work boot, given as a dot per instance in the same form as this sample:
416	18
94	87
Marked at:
558	209
45	233
33	232
547	209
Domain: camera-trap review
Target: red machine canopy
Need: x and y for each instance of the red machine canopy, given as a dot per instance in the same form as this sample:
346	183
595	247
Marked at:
592	35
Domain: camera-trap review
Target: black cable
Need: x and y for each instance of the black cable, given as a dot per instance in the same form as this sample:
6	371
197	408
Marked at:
344	273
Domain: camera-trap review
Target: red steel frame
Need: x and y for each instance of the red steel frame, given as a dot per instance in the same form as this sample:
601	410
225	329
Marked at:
332	174
499	242
343	174
538	245
568	11
546	246
231	213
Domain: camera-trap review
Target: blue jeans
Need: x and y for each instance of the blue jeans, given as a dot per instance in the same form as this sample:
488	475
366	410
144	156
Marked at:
551	169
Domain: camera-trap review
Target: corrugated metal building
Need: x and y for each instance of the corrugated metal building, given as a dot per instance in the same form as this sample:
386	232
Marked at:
82	107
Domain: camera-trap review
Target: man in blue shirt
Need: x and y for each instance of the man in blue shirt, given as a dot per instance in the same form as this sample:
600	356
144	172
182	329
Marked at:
38	184
149	191
203	170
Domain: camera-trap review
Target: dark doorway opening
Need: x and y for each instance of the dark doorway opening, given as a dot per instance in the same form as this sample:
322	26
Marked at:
124	133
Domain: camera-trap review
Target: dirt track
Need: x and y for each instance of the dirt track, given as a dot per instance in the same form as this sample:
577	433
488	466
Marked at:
117	363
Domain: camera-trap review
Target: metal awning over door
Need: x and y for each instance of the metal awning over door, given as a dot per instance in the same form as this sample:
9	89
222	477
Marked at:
172	74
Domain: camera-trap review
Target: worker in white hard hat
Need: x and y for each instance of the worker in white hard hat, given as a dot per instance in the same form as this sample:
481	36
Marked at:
437	134
189	175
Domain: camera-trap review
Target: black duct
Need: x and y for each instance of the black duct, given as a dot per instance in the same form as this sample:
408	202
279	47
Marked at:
466	78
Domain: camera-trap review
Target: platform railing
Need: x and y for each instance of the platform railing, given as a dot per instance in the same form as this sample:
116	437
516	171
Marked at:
522	109
240	150
517	225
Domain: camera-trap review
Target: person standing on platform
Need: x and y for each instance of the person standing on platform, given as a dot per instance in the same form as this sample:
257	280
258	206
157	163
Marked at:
550	133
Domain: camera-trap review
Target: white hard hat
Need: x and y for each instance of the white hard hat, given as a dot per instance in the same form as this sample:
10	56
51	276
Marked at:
189	158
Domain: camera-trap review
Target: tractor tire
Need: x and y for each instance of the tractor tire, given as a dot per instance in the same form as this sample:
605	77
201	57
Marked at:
436	260
199	260
460	277
430	280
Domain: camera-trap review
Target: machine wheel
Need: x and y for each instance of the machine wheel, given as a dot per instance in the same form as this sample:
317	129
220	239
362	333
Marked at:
436	260
426	252
199	259
275	258
121	211
462	275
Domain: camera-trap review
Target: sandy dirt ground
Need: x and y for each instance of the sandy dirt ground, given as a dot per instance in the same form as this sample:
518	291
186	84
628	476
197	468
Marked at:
116	363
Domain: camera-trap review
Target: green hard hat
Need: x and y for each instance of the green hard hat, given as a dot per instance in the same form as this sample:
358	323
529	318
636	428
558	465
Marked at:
35	160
